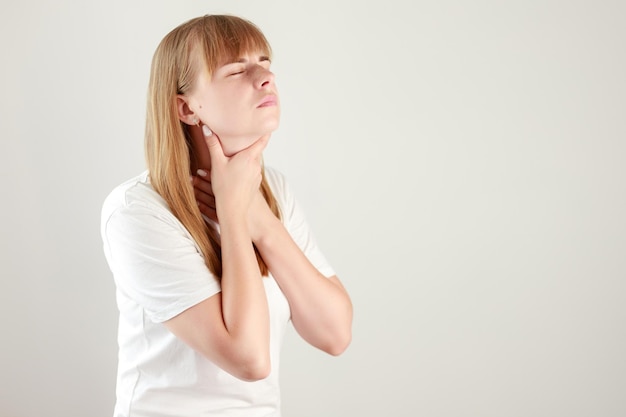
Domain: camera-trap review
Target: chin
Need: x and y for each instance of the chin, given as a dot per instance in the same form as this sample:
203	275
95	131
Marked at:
232	146
270	125
234	142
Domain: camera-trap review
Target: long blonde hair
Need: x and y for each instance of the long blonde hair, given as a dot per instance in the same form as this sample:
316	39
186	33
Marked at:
213	38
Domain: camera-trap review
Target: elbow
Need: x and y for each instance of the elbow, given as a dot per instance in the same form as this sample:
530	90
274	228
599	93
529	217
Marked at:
254	374
341	339
249	366
339	344
254	369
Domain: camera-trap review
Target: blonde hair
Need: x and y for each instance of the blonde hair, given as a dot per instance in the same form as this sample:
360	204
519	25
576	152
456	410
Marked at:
214	39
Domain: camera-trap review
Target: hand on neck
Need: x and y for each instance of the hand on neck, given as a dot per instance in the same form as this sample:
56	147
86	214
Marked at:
201	159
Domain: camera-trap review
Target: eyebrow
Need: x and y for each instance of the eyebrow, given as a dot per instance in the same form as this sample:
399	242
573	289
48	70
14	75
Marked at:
244	60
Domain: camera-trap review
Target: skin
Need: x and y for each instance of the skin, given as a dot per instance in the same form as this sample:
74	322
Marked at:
232	327
228	103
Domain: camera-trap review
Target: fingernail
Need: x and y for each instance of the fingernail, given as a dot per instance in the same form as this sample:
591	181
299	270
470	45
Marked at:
206	130
202	173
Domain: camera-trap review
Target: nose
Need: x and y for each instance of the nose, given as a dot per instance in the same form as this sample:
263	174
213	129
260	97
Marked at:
264	77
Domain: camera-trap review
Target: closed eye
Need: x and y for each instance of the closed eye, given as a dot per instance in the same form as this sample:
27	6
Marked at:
265	62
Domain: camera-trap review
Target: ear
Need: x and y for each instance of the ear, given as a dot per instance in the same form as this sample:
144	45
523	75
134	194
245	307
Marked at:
185	114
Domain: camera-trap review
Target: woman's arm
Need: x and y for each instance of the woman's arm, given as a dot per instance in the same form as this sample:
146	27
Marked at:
321	309
232	328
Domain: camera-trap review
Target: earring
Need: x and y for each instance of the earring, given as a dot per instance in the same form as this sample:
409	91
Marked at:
195	120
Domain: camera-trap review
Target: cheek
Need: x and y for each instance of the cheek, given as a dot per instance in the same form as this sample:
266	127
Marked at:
219	111
213	114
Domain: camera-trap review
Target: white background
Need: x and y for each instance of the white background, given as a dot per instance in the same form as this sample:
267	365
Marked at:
461	162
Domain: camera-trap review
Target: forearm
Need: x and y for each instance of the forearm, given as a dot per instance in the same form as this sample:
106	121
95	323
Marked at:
321	309
244	304
231	328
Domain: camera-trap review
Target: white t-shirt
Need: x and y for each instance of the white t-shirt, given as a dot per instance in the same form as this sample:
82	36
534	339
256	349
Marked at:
159	272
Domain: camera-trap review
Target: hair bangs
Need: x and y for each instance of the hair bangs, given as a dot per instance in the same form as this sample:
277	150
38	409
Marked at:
228	38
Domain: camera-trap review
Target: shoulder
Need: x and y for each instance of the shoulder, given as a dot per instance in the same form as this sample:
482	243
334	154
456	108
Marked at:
133	195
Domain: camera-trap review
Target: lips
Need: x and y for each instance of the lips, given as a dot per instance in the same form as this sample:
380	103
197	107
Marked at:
268	100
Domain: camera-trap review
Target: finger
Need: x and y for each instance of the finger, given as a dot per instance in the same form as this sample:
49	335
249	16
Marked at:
203	192
213	143
208	211
204	198
203	182
205	201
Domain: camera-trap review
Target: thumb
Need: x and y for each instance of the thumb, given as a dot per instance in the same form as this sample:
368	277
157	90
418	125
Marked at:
213	143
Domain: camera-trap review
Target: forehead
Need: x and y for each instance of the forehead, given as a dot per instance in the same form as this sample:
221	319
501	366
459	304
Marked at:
240	53
254	56
229	44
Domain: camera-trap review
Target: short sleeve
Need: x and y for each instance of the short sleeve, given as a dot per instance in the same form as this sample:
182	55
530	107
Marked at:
155	261
295	222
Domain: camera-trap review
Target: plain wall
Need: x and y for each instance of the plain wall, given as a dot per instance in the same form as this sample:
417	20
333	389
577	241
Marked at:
462	164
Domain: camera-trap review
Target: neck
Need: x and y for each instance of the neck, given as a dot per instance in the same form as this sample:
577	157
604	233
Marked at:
200	158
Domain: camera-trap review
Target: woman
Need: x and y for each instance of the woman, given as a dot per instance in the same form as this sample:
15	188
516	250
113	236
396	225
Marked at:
210	253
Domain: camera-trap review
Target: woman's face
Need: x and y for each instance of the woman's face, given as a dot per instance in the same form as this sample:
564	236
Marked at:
239	102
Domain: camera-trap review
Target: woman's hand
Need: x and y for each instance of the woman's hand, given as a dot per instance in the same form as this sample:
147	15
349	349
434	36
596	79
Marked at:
259	213
233	182
204	194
